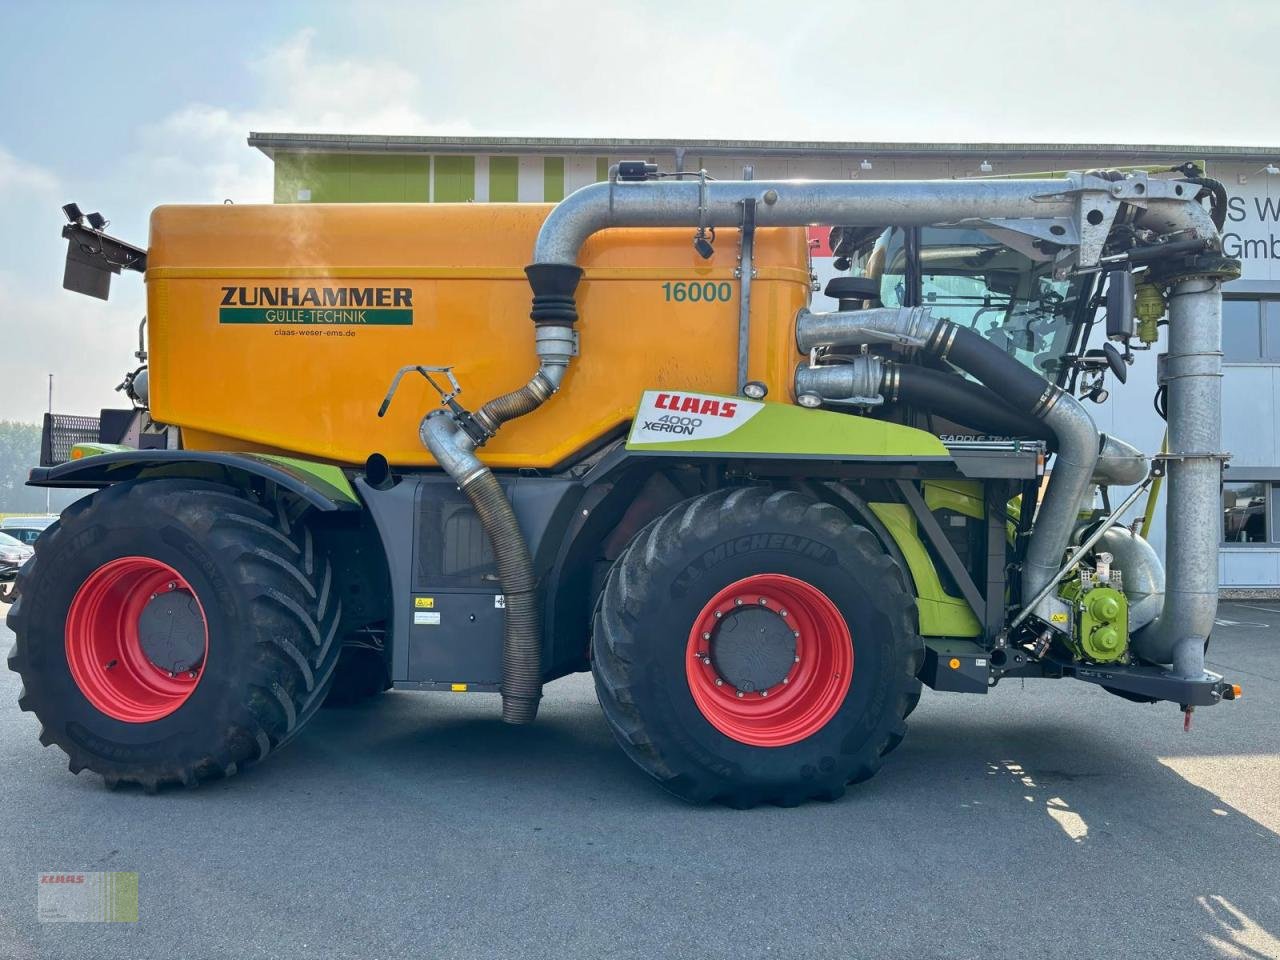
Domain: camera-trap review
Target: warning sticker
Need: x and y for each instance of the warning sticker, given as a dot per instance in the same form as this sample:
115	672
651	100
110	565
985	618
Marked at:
424	603
499	601
426	618
663	417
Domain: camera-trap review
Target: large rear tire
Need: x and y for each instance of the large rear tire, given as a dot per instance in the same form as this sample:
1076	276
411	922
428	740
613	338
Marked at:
173	631
754	646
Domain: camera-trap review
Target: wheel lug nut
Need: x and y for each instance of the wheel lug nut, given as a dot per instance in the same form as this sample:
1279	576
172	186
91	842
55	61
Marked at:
764	602
741	694
737	602
719	682
764	693
797	659
786	679
706	636
173	585
782	613
719	614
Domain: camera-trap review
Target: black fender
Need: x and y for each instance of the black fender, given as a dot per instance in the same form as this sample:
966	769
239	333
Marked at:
320	485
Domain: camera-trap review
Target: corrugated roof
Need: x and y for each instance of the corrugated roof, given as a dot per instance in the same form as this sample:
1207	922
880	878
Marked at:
269	143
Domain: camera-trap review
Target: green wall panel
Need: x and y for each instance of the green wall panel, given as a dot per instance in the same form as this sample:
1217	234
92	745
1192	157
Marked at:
553	179
327	177
352	178
504	179
455	180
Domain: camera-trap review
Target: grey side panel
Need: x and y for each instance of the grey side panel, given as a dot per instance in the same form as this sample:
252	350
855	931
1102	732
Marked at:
446	605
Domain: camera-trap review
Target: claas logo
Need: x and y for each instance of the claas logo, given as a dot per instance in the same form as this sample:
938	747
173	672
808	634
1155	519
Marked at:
703	406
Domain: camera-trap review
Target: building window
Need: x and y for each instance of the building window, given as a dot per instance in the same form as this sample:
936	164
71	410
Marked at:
1251	331
1245	510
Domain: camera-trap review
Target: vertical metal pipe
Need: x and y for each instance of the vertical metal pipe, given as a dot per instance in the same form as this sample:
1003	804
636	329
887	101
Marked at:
1192	371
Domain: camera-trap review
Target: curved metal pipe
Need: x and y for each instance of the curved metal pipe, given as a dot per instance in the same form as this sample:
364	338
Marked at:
1120	464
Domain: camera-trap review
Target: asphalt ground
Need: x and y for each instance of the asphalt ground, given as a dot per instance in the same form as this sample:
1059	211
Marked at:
1047	819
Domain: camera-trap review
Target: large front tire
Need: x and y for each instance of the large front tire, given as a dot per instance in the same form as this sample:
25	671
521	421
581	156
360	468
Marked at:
173	631
754	646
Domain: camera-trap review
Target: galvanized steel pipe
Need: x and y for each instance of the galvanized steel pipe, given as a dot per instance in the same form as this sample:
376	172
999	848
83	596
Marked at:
1192	372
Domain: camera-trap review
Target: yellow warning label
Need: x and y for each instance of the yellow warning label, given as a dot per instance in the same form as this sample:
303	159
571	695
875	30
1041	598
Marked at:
458	687
1057	618
424	603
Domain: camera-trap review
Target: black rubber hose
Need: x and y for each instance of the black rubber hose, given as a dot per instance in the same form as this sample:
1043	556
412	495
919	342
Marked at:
522	635
965	402
1024	389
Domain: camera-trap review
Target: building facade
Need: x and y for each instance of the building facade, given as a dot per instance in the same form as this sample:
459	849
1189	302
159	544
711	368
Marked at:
321	168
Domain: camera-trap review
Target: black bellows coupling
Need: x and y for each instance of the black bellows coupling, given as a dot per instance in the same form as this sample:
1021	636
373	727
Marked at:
553	287
1024	389
522	636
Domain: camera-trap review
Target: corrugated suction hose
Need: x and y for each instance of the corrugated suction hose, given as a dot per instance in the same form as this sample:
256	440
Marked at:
522	638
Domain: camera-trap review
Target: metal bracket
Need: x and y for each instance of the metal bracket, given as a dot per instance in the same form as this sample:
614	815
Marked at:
446	397
746	271
1166	457
938	540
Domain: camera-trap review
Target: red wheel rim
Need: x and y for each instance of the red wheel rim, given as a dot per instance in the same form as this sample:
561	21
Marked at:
817	683
104	644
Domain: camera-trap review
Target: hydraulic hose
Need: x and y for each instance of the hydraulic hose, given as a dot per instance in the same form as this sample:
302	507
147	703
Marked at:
958	399
964	402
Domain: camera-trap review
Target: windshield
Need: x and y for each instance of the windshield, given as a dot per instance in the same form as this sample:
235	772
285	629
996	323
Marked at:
973	280
8	541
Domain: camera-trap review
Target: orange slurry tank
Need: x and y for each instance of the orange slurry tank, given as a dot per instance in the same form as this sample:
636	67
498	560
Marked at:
279	328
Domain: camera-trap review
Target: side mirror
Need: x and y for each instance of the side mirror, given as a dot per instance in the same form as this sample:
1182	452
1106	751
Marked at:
1115	360
1120	299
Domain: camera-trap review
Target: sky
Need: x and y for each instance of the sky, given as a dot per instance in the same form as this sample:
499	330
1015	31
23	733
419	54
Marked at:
126	105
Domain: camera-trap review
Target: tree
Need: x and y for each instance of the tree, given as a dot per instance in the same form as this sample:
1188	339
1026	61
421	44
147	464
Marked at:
19	452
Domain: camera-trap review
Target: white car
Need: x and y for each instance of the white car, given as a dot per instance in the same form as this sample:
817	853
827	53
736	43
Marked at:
13	554
26	529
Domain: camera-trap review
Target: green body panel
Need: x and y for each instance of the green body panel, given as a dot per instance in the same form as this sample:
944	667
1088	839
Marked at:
965	497
553	179
961	496
941	615
783	429
504	179
83	451
602	169
325	477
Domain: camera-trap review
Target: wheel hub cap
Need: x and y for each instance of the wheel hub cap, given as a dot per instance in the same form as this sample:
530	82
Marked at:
136	639
770	660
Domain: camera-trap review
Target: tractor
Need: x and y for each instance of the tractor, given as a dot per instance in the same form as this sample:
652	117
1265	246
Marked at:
351	464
